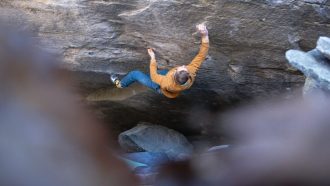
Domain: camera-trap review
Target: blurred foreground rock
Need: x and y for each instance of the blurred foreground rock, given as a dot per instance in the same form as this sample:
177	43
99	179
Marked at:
46	136
282	143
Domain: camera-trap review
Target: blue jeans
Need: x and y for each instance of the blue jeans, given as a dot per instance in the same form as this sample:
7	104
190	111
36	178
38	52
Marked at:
142	78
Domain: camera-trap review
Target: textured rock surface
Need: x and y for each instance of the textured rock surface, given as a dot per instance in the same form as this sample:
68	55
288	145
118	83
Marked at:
246	59
155	138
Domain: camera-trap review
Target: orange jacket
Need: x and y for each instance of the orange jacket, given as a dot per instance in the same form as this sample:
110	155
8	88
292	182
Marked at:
167	83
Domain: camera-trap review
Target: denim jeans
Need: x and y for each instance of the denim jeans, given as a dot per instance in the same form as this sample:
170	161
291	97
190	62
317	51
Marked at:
142	78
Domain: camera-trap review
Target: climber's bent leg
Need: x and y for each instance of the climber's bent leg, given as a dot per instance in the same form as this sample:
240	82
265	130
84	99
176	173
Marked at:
138	76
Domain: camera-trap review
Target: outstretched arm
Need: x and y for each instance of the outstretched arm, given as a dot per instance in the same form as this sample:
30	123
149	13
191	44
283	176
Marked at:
155	77
198	60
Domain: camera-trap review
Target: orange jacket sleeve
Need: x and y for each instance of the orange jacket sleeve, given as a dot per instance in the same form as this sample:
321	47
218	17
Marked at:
155	77
200	57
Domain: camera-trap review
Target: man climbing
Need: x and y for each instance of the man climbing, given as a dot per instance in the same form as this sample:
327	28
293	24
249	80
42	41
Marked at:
169	83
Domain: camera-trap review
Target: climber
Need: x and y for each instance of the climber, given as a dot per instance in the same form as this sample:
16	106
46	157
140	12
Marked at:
168	82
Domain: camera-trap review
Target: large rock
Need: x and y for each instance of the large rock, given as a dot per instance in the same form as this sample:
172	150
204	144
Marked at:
148	158
310	86
155	138
314	65
323	45
246	59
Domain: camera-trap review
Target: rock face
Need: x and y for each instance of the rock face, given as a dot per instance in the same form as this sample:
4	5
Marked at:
246	59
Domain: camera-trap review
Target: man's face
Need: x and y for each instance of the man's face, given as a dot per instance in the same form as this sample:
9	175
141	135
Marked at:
182	68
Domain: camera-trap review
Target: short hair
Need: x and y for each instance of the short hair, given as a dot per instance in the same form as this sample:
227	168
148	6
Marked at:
181	77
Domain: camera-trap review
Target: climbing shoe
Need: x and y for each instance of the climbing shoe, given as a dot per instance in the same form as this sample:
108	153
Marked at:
115	80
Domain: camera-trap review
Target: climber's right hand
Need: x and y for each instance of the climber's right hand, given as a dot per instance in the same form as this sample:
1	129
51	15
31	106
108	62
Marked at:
151	53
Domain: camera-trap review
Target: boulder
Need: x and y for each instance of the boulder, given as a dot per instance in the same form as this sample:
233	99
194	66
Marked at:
323	45
314	65
148	158
310	85
156	138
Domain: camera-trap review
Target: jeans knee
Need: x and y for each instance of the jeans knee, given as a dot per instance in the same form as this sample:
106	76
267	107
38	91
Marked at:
135	72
